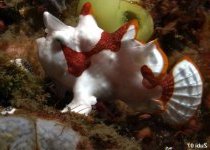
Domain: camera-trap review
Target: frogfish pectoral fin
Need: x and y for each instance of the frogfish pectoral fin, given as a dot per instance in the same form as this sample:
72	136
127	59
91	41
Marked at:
149	80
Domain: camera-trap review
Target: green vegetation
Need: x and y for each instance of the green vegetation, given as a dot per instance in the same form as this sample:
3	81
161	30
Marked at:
19	88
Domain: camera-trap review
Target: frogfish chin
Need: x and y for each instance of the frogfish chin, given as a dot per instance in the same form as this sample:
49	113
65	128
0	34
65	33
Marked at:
94	64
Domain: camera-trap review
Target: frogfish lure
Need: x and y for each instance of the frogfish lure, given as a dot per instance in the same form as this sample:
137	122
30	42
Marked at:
96	65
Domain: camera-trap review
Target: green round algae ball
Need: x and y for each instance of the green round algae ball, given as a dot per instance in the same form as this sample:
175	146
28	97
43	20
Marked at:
111	14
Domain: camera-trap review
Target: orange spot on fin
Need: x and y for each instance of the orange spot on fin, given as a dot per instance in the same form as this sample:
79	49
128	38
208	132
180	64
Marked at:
136	25
86	9
165	59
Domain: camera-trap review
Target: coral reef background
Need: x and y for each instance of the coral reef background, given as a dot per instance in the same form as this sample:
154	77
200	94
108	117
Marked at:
182	28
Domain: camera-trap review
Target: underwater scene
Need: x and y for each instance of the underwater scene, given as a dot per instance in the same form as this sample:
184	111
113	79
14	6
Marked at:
104	74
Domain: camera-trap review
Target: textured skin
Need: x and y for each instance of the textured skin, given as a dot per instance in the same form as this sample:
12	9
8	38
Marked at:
114	62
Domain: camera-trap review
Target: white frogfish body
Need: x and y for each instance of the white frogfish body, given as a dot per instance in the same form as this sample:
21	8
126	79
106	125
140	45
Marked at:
96	64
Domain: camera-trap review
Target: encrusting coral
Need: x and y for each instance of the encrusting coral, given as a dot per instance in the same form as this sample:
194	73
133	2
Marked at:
97	64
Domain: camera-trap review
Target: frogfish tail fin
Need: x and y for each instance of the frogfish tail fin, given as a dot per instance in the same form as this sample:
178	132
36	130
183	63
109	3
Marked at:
182	92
